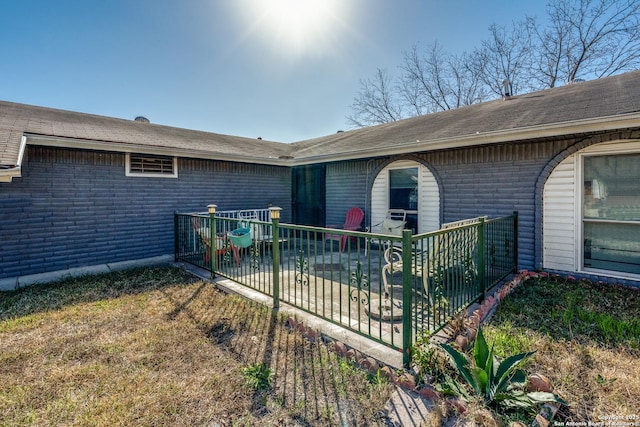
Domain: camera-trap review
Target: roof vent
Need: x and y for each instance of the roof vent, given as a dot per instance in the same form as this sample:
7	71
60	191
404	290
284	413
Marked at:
142	119
505	84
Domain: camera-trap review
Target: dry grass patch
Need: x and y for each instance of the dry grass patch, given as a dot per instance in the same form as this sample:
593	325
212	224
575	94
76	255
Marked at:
587	338
155	346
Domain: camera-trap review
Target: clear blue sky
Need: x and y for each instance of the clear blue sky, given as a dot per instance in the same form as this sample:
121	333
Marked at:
254	68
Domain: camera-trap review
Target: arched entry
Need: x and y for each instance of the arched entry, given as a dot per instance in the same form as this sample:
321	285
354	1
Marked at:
409	185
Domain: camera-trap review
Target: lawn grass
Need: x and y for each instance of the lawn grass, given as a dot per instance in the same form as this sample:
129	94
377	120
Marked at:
158	347
587	338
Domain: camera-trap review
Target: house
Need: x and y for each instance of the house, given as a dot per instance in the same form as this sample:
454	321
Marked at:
80	190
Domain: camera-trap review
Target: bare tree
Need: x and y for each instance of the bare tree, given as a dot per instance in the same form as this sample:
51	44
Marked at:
504	59
438	81
549	56
588	38
424	81
581	39
467	81
376	102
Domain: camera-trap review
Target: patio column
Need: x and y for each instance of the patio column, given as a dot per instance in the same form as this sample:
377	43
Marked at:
274	213
212	239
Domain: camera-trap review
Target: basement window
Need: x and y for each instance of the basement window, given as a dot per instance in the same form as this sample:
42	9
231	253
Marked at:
151	165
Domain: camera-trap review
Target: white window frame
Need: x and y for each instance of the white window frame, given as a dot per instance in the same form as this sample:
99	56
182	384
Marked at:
128	172
607	149
416	211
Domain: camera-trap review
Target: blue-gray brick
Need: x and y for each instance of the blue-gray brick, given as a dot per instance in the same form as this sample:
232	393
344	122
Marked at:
73	209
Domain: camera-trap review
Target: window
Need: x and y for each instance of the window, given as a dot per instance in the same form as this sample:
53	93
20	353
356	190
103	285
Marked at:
151	165
611	212
403	193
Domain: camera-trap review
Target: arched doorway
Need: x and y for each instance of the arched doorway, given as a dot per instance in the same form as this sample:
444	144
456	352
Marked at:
409	185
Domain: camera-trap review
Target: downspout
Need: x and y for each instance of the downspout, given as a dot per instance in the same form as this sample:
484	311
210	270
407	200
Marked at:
8	172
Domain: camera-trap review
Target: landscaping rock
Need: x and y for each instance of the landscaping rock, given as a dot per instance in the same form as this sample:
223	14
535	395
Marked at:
406	380
301	328
353	355
538	382
313	335
291	323
370	364
340	348
462	342
429	392
388	373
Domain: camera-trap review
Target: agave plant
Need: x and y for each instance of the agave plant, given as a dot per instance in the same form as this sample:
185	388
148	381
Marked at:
495	382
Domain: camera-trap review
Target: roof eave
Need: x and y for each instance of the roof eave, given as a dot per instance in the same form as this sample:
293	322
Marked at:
608	123
124	147
621	121
7	173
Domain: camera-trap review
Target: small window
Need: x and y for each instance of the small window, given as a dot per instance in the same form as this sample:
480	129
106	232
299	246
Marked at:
150	165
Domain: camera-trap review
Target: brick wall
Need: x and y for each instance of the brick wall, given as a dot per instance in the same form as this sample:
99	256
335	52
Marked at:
74	208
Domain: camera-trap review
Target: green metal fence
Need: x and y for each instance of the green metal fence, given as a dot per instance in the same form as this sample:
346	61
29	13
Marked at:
388	288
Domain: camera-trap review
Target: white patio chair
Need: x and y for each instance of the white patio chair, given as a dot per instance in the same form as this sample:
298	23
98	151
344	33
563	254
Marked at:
392	225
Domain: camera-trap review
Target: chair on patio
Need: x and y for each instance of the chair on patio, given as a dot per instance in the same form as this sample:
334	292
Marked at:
391	225
257	230
352	223
203	232
245	235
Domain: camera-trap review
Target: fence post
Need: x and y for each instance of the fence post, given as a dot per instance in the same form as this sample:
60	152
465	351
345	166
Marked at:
515	241
213	244
176	235
407	294
482	282
274	213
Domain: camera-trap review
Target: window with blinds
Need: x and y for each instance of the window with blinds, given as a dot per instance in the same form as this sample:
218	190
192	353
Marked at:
151	165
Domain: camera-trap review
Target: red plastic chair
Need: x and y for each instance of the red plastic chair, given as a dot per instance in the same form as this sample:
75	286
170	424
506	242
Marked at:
352	222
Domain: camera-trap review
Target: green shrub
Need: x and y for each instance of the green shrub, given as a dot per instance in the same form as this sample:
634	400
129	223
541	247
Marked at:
492	381
258	376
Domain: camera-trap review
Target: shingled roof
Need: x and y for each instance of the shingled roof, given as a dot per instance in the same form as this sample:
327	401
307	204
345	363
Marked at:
17	120
597	105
